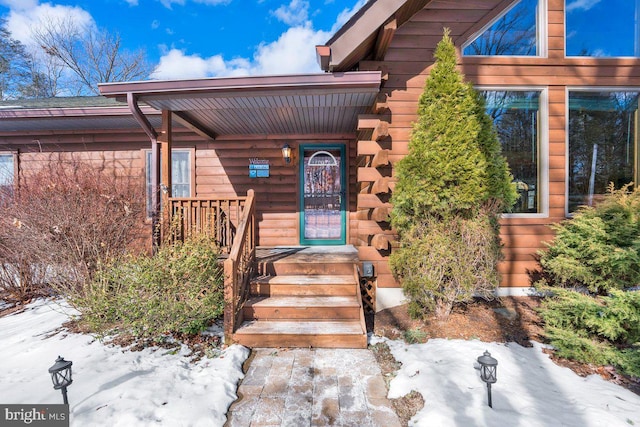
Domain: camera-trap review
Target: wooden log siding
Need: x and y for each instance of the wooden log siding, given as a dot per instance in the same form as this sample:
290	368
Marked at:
374	175
123	162
408	61
222	169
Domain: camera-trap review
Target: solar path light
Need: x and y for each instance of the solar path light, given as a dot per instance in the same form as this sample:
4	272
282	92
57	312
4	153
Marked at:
61	376
488	368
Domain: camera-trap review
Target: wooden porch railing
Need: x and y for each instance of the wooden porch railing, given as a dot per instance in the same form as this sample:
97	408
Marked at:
218	217
238	268
232	222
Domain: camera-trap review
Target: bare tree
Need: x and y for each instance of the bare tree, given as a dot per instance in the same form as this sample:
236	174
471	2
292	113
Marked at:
14	65
45	75
89	55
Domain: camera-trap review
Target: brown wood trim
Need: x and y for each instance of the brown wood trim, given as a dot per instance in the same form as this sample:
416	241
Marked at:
380	159
385	36
194	125
481	24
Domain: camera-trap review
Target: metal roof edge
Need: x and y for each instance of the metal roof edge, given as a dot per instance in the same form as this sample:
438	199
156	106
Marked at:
354	79
57	112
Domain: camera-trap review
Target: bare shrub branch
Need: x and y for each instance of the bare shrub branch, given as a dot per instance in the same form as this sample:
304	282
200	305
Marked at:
66	220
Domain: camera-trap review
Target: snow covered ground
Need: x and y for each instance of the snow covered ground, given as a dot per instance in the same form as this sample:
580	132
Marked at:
116	387
112	387
531	389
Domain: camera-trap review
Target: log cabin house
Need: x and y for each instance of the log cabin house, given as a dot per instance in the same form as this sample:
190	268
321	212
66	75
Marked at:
295	172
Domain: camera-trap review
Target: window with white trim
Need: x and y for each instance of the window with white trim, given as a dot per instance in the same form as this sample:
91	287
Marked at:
603	143
180	174
518	31
7	173
516	116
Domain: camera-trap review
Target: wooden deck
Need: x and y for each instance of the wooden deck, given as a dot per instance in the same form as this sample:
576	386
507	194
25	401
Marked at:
305	296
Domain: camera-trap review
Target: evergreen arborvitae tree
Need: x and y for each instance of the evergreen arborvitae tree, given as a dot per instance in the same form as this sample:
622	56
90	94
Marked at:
454	163
451	187
445	171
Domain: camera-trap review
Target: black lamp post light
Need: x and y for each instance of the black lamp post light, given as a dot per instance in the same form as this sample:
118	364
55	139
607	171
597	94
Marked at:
488	368
61	376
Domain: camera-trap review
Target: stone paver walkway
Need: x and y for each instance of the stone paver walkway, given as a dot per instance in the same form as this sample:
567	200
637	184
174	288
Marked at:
312	387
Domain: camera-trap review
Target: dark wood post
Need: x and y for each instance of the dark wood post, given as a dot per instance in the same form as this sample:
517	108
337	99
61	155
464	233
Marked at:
165	140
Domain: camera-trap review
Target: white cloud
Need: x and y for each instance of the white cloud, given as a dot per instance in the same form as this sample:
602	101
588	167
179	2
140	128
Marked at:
26	15
344	16
169	3
132	2
581	5
19	4
292	53
295	13
213	2
176	65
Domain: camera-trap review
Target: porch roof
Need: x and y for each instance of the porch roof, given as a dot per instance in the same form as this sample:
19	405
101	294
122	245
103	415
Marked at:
291	104
68	114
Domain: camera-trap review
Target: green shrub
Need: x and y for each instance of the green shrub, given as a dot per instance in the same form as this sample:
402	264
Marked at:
415	336
599	248
595	329
441	263
454	165
180	289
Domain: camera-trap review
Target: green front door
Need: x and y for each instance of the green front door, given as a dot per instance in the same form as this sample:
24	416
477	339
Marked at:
322	195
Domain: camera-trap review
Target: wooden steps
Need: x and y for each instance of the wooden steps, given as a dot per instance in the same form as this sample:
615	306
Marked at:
309	285
302	307
305	297
326	334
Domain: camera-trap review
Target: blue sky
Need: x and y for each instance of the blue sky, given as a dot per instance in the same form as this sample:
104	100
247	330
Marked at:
603	28
201	38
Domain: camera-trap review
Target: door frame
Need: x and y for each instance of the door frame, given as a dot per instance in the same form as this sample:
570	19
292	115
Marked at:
343	191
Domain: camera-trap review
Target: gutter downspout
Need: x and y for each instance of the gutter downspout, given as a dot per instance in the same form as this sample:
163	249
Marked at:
132	101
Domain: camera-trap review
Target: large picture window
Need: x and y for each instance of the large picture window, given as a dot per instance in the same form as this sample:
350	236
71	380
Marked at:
515	115
514	33
602	28
602	143
180	175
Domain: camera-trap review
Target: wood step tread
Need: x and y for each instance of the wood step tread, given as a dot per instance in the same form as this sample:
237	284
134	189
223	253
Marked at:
303	301
308	254
308	279
274	327
314	259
